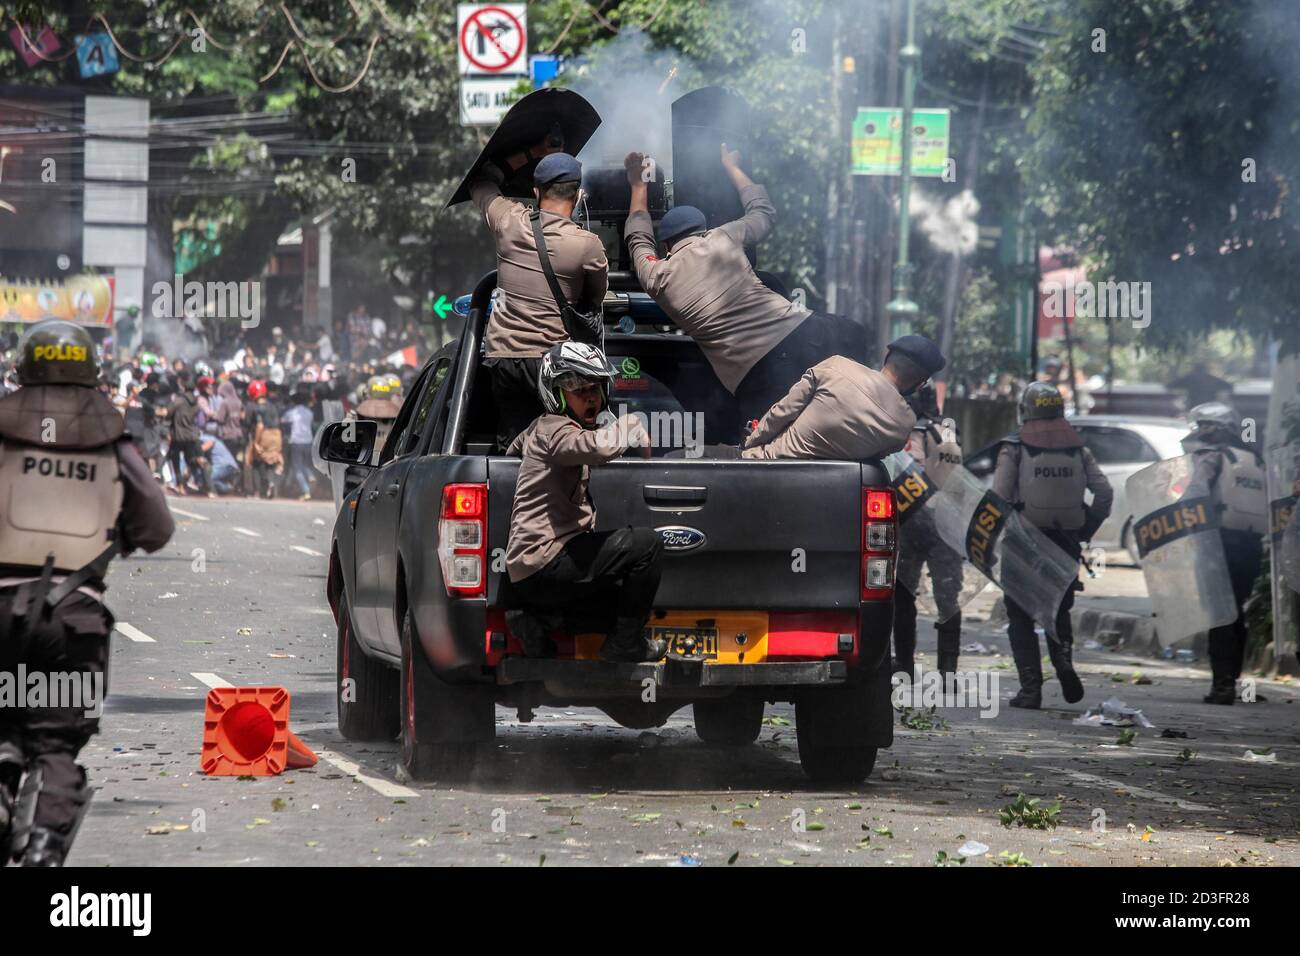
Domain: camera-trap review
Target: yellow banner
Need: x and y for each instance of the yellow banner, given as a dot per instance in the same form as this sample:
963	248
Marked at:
86	300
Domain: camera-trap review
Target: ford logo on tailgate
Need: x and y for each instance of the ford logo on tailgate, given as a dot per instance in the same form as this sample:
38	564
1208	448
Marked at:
679	538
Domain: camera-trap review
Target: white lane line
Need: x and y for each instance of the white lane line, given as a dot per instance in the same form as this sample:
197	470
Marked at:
211	680
308	551
1140	792
189	514
133	633
251	534
385	788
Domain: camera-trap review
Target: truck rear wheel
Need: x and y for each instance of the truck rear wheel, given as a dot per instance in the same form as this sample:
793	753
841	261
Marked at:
368	705
442	724
729	722
840	728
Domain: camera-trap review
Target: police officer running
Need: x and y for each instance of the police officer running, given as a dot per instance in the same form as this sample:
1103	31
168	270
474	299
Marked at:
937	449
1232	475
757	341
86	496
560	567
527	318
1044	470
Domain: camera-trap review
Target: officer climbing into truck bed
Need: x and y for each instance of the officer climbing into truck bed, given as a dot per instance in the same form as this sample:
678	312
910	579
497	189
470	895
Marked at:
86	496
841	409
1044	470
757	341
560	567
527	318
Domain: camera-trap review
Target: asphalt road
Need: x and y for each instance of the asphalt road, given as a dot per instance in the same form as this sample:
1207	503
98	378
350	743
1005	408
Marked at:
238	597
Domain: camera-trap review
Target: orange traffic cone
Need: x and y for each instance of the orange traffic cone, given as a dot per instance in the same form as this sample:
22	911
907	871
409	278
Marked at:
246	732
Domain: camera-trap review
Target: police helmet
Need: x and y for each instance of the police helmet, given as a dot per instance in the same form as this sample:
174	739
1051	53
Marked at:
1041	400
57	352
569	365
1214	417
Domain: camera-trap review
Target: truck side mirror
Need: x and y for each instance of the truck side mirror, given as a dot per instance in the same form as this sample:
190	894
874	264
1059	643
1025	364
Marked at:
350	442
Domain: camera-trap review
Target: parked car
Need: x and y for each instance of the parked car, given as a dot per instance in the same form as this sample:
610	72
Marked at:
1122	445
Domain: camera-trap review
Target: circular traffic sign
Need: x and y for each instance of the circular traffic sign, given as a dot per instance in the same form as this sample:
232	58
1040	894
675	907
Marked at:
488	36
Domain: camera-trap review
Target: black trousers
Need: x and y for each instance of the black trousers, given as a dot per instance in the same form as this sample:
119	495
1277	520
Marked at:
817	337
606	578
73	640
919	547
1227	644
1020	624
514	391
195	464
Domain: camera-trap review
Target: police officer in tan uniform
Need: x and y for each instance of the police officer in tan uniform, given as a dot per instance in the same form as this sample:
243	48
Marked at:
1044	470
526	319
559	566
841	409
86	496
757	341
1232	475
936	448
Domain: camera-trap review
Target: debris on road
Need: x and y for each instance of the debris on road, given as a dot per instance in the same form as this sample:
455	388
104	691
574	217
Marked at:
1113	713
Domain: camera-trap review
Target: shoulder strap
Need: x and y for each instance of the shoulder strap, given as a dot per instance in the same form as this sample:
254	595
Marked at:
544	257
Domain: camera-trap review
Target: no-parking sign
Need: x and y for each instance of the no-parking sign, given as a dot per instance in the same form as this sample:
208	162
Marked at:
492	39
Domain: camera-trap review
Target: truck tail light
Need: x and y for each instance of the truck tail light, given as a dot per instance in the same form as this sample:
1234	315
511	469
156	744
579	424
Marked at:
462	540
879	544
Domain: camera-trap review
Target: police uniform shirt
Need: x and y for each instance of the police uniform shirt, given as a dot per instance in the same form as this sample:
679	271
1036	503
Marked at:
551	503
709	289
840	409
525	320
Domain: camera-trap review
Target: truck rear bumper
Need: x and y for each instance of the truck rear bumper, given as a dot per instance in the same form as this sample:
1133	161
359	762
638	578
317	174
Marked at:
600	675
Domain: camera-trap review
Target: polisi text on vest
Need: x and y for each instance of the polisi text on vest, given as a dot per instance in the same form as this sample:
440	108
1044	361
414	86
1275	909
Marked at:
59	468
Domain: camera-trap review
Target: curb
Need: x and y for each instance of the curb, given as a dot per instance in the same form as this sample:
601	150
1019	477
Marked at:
1121	630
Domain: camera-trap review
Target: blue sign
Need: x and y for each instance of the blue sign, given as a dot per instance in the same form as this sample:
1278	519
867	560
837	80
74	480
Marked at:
96	55
545	67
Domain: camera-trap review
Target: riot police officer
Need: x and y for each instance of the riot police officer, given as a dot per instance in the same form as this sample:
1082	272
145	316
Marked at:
1233	476
86	496
1044	471
935	446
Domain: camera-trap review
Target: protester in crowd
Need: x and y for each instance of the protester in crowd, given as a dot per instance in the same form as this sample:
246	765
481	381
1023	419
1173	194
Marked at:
298	420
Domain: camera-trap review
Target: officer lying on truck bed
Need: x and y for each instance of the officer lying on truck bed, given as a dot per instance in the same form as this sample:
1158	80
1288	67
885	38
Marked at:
757	341
558	565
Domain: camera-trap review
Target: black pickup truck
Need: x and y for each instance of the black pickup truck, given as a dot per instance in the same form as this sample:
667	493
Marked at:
777	583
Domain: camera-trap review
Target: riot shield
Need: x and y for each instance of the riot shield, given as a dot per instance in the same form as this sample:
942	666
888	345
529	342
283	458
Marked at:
952	582
1030	569
1282	470
1181	551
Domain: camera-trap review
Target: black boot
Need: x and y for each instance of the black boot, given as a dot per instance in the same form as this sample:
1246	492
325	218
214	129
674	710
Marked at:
949	643
45	848
1223	690
532	632
629	643
1024	650
1062	654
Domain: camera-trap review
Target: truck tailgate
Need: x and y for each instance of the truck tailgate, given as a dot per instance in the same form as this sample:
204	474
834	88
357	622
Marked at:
771	535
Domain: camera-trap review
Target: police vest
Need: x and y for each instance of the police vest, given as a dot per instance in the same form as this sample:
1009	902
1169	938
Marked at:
1052	483
58	502
1240	489
928	446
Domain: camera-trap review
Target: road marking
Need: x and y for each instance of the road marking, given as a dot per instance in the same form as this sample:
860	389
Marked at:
211	680
133	633
385	788
189	514
1139	791
314	554
251	534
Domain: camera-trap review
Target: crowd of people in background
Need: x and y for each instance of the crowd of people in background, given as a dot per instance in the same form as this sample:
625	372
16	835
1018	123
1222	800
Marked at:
241	420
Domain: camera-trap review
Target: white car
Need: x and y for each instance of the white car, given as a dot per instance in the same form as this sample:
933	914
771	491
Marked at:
1122	445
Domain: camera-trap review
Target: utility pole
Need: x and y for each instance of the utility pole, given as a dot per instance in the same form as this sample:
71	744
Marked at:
901	308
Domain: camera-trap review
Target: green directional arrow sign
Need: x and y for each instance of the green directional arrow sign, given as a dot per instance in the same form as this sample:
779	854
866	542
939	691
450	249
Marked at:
442	307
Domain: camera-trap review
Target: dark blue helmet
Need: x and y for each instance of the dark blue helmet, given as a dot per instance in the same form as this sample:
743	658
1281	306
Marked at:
681	221
557	168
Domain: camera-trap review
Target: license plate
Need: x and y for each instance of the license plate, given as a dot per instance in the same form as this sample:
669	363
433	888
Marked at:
689	643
